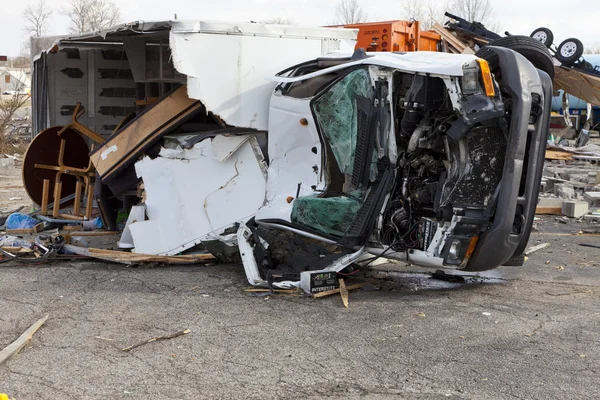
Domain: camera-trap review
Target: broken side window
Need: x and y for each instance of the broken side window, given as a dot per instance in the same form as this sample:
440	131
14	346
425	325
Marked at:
341	113
337	114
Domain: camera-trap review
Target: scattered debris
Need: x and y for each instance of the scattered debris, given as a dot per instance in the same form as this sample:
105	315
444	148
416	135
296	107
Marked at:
336	291
156	339
26	231
590	245
343	293
13	349
270	291
558	155
575	209
533	249
134	258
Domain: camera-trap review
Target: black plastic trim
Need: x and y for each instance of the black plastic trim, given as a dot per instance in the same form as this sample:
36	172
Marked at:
520	79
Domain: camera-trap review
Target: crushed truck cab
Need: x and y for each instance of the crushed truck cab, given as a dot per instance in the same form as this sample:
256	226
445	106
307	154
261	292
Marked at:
431	158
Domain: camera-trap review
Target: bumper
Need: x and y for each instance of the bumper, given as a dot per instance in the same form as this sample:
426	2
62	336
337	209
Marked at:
509	232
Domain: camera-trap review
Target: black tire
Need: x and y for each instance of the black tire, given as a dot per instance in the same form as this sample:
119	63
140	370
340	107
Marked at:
528	47
544	36
569	51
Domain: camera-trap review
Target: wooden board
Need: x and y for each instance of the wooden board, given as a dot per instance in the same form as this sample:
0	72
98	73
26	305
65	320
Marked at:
558	155
156	119
149	141
579	84
16	346
29	231
549	210
452	40
123	257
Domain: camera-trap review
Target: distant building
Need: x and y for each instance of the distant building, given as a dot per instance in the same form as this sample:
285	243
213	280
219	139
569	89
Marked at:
15	79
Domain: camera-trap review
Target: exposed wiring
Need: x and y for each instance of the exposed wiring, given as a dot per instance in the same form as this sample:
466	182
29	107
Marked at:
356	271
390	246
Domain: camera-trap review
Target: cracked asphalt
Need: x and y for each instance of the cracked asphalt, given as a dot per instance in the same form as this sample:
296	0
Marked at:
529	332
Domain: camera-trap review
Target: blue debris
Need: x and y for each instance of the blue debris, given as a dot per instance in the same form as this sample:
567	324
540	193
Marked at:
20	221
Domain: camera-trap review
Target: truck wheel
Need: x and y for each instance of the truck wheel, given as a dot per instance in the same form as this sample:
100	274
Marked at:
544	36
528	47
569	51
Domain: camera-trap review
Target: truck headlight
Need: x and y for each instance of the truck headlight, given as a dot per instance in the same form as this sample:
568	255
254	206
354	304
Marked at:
470	81
472	73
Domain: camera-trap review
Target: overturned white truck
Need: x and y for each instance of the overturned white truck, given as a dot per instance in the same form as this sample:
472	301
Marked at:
432	158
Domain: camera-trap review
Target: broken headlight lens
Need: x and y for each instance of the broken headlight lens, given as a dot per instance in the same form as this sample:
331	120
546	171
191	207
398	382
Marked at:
459	249
454	251
470	80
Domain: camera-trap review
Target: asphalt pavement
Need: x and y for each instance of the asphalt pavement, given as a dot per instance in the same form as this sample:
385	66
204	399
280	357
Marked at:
530	332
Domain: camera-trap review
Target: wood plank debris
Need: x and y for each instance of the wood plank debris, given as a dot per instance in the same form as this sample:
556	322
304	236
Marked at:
28	231
262	290
558	155
549	210
16	250
533	249
156	339
343	292
123	257
15	347
337	290
73	227
456	45
124	147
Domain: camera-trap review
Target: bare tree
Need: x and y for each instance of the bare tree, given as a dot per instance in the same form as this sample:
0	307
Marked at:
278	21
103	14
474	10
349	12
76	11
91	15
36	17
9	107
424	11
21	61
592	49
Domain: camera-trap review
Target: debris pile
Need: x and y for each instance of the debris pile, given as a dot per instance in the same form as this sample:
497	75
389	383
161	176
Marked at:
570	184
158	151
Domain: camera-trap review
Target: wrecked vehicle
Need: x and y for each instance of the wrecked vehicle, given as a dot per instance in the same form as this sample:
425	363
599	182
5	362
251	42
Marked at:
430	158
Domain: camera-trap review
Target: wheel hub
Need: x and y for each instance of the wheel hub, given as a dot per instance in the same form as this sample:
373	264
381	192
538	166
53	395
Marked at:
568	49
541	36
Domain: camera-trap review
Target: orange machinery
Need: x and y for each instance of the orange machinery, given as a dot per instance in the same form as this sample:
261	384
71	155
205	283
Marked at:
395	36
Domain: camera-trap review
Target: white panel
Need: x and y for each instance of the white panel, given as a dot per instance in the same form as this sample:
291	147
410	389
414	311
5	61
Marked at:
294	152
191	196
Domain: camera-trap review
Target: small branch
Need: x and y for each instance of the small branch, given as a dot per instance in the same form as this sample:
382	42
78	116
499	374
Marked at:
16	346
156	339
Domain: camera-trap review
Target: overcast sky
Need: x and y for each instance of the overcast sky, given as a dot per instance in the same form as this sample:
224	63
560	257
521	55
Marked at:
566	19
